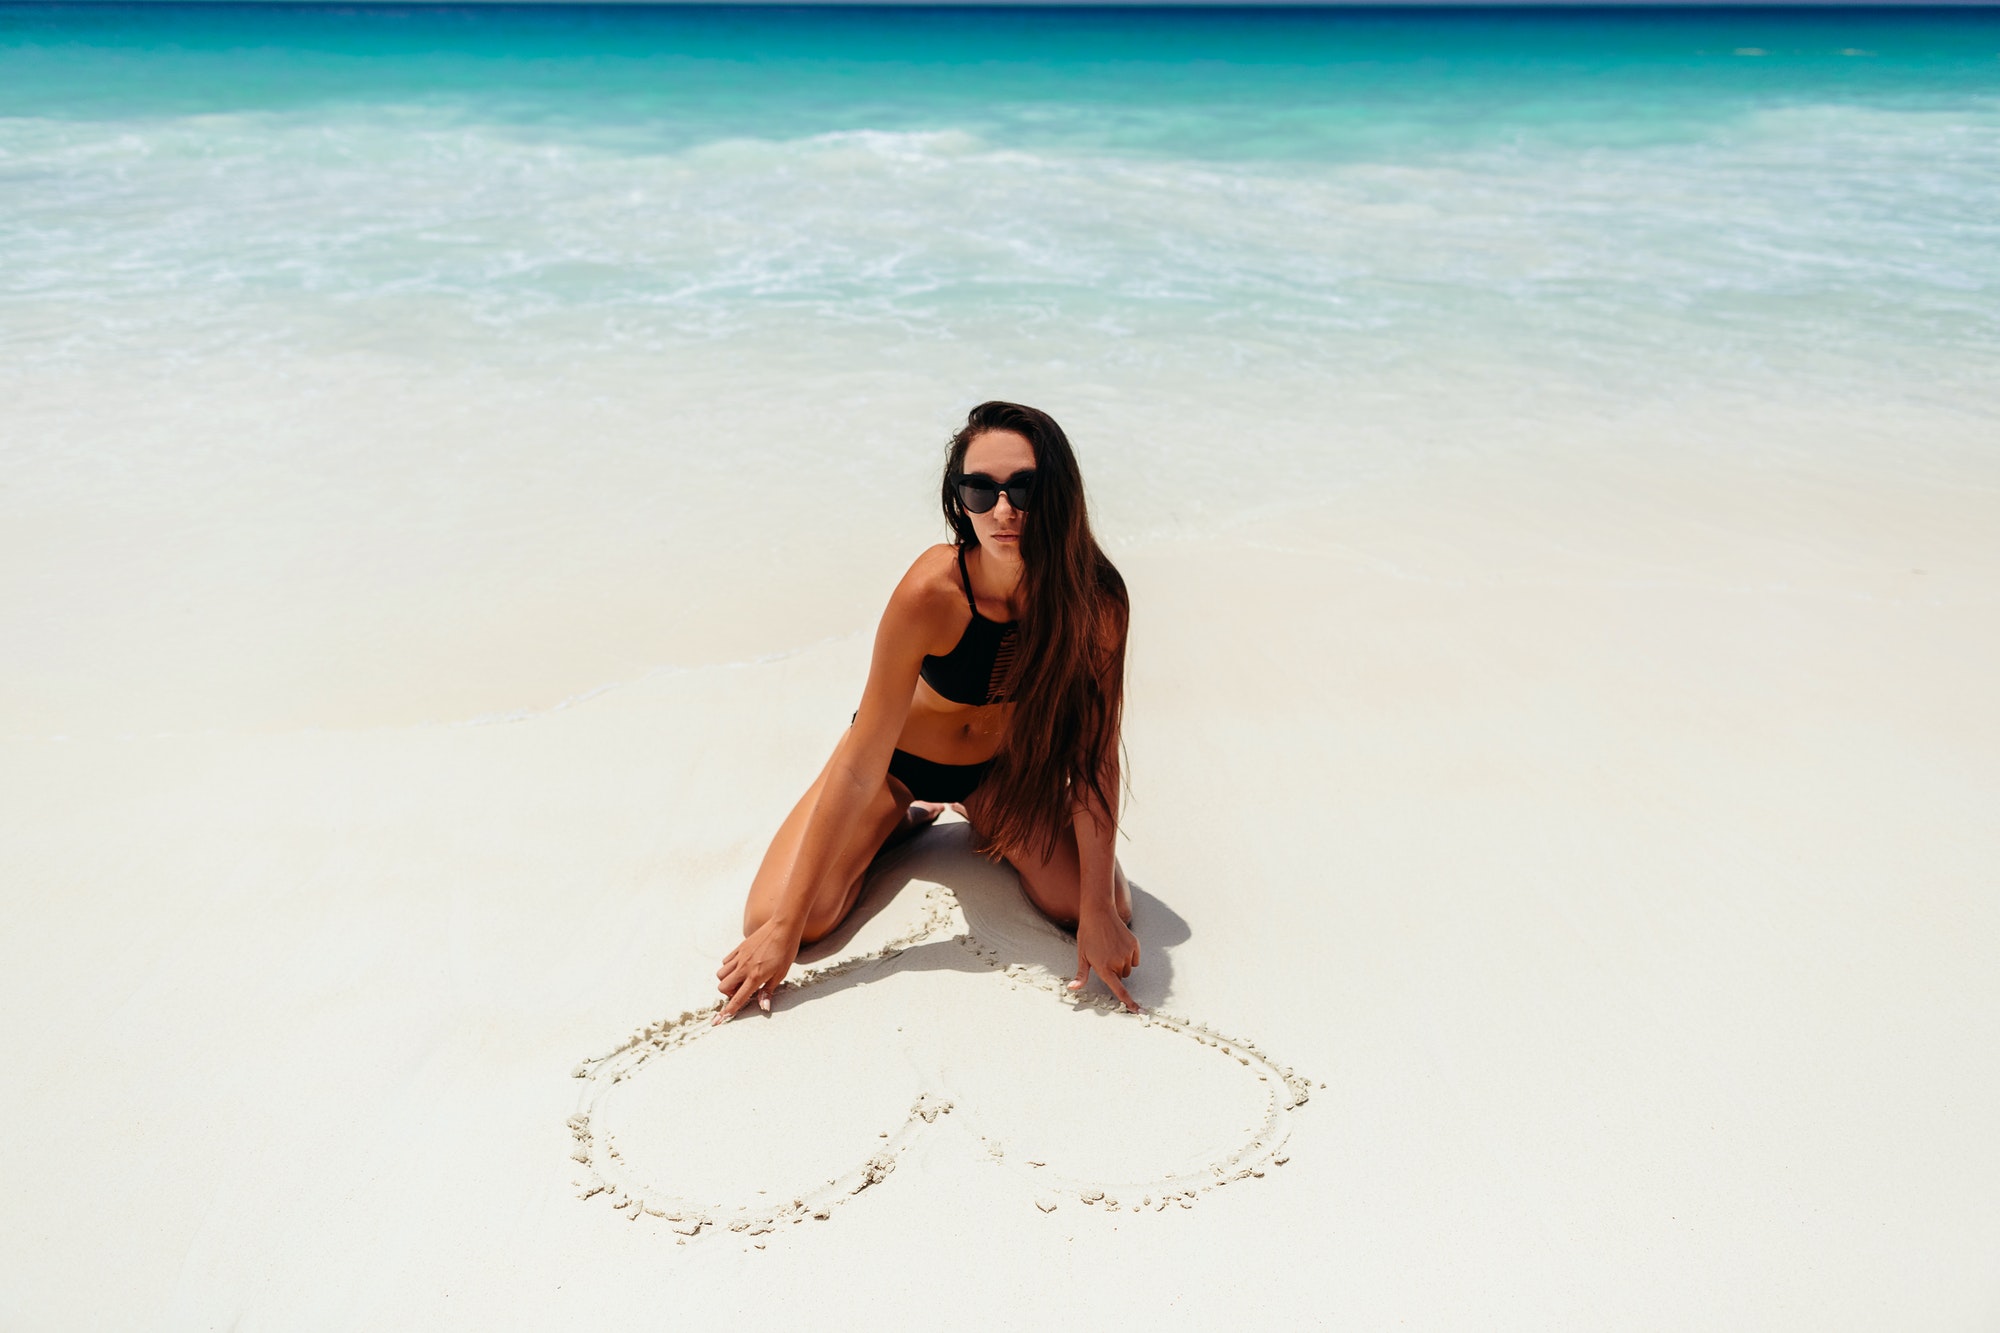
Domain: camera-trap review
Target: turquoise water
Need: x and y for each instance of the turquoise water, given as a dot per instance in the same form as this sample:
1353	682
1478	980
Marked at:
1569	178
336	306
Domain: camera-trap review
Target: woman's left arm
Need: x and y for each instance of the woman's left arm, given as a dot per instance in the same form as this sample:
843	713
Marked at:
1104	943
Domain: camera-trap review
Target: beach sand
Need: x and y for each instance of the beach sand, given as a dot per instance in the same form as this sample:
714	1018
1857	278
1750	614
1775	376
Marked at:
1567	888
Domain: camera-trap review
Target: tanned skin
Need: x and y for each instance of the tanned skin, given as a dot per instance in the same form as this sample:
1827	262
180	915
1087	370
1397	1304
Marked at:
812	874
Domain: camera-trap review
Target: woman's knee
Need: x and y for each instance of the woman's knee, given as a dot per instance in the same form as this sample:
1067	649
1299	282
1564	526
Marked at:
1055	885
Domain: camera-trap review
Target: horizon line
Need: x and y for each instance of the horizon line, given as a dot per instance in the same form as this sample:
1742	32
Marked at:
1519	5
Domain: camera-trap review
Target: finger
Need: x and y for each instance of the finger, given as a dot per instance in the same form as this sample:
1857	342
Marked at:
1124	996
737	1001
764	999
1082	978
729	981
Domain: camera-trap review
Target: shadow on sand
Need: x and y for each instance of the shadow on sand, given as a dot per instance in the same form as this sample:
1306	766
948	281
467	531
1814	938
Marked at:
1101	1108
997	912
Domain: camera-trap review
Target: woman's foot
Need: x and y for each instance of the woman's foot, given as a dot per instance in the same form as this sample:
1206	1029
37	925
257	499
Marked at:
919	816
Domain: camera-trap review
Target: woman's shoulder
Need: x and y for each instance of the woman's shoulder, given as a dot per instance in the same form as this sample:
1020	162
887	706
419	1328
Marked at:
938	563
930	594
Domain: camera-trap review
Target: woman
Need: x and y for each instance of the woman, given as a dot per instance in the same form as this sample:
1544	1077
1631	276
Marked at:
995	690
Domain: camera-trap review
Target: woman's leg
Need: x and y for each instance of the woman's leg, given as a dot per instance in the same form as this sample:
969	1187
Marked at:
881	821
1055	884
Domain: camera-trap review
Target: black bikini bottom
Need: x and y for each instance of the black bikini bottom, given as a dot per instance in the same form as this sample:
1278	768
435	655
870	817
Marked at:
931	781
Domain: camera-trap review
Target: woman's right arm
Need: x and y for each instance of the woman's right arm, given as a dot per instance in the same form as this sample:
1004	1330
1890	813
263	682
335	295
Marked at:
860	765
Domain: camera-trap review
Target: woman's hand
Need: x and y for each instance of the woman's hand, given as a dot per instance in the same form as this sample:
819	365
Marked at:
1105	945
756	967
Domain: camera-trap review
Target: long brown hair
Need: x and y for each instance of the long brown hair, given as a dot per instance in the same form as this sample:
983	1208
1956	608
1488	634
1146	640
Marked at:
1068	681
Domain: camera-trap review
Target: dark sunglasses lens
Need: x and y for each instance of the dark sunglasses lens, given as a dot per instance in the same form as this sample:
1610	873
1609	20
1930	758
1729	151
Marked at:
978	498
1021	495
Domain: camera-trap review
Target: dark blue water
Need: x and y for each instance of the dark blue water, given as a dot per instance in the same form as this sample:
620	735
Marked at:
1232	83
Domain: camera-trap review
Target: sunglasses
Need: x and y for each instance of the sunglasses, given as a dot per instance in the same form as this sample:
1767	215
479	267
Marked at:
979	492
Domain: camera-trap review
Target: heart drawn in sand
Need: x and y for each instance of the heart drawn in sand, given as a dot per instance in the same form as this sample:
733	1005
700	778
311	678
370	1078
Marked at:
965	1012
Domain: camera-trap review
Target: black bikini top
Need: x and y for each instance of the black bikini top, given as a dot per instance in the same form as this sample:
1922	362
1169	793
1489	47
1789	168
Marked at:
976	670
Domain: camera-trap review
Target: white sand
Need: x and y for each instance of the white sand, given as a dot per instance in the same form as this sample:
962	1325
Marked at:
1611	847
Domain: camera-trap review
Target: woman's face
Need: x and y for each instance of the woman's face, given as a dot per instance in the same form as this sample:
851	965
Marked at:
1000	455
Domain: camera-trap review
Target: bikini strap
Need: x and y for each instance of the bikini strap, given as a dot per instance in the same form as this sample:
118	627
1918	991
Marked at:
966	580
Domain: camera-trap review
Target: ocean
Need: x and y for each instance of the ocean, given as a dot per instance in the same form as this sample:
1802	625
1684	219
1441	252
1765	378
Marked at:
370	365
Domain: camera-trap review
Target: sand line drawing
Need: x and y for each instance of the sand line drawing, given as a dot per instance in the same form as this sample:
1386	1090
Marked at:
637	1152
